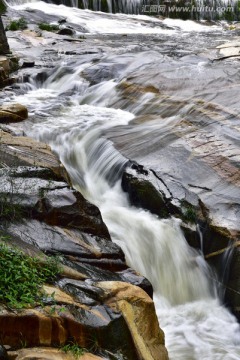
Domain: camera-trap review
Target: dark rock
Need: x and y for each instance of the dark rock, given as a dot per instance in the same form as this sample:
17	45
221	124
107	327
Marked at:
3	353
53	239
134	278
96	273
50	201
232	285
66	31
62	21
28	64
142	193
4	47
92	271
88	294
66	207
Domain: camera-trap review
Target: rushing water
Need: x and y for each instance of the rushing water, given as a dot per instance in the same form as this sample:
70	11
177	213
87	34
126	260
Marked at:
72	116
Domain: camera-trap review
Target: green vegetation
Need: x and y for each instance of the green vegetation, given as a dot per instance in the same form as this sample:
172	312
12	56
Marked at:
73	348
189	212
48	27
19	24
22	277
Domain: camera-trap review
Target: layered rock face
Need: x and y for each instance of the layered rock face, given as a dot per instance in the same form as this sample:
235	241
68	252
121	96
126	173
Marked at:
96	302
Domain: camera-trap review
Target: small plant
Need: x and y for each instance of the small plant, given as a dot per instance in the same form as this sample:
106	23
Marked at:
189	214
19	24
48	27
73	348
22	277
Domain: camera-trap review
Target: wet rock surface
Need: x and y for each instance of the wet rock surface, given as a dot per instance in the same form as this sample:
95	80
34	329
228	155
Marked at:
41	214
13	113
191	163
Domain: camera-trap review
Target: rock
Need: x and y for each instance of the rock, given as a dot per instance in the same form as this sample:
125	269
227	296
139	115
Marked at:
231	48
4	79
50	201
5	63
13	113
132	302
3	353
48	354
147	191
4	47
232	286
143	194
93	326
66	31
28	64
20	150
67	207
55	239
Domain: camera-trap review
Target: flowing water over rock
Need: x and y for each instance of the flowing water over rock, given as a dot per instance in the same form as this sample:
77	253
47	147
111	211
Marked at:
143	94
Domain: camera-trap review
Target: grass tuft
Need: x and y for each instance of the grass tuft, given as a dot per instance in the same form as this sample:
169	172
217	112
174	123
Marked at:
19	24
48	27
22	277
74	349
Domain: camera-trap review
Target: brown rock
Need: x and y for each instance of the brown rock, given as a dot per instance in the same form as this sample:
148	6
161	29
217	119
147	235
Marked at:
115	322
133	302
47	354
13	113
5	63
22	150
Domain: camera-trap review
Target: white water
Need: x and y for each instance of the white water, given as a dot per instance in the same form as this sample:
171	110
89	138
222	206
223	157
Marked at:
102	23
196	326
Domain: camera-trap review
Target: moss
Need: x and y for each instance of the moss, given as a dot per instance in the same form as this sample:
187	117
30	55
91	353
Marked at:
48	27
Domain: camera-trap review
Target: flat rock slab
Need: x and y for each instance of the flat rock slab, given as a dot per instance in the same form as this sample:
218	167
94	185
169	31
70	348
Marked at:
17	150
48	354
56	239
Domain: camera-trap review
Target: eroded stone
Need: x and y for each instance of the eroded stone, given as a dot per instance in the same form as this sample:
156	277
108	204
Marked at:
13	113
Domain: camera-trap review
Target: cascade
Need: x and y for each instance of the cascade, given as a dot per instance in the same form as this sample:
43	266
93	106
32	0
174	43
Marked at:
72	116
186	300
210	9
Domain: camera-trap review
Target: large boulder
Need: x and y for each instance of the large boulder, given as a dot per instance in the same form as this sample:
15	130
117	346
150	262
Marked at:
133	302
25	192
94	303
12	112
114	323
20	150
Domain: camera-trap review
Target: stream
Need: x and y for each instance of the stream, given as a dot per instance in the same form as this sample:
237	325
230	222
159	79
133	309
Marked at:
81	104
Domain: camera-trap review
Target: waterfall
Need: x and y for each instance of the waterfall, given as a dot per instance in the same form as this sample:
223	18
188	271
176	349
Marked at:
199	9
196	325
